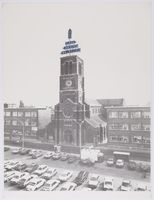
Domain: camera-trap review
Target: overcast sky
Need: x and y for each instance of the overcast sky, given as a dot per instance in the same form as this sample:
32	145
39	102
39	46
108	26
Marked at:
115	41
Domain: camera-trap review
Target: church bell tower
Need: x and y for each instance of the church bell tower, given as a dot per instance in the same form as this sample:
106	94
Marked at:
70	111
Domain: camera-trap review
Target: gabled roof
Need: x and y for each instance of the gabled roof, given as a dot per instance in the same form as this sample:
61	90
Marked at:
92	102
111	102
95	121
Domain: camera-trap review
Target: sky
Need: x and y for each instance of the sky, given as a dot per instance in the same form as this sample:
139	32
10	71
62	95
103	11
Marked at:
115	42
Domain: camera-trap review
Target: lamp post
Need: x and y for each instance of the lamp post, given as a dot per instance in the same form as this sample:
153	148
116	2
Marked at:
80	131
23	130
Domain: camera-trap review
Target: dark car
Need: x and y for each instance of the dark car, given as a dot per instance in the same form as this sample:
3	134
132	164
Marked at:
72	159
37	154
31	168
64	157
81	177
86	162
20	167
131	165
6	148
24	151
56	156
110	162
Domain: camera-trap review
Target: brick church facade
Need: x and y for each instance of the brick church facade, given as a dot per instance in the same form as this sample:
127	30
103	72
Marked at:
74	123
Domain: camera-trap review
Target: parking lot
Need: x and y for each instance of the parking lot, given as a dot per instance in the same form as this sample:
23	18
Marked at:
117	174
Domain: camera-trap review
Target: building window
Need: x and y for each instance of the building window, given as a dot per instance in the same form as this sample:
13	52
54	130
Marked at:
33	114
14	114
121	139
146	127
20	114
14	122
146	140
118	127
135	114
33	123
136	127
146	114
113	114
8	114
27	114
80	68
137	139
27	122
7	122
123	114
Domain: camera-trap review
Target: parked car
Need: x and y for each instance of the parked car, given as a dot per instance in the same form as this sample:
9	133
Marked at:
86	162
48	155
72	159
6	148
131	165
23	182
24	151
8	174
68	186
14	180
119	163
20	167
141	187
93	181
65	175
32	167
107	184
32	151
50	185
85	189
12	165
41	169
81	177
64	157
56	156
49	173
36	154
126	185
110	162
35	184
16	150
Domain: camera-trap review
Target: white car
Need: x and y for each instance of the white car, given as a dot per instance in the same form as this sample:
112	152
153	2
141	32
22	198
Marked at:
120	163
11	165
49	173
17	177
41	170
126	185
93	181
141	187
68	186
86	189
48	155
108	184
23	182
65	175
35	184
50	185
8	174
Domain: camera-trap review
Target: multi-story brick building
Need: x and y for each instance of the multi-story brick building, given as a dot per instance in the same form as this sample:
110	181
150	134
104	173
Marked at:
128	126
25	119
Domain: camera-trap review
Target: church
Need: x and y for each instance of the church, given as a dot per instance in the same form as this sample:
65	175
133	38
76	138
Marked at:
77	122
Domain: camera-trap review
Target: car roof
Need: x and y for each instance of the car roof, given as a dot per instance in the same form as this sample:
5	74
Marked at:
67	184
53	180
126	181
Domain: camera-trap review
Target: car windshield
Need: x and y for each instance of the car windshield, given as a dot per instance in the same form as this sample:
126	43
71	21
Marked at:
17	176
110	159
47	185
63	189
108	182
22	180
31	183
125	184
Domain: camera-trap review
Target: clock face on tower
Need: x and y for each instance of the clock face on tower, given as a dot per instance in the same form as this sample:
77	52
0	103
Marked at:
68	83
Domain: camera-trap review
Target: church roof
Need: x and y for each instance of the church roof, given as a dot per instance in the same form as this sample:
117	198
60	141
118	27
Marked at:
111	102
95	121
92	102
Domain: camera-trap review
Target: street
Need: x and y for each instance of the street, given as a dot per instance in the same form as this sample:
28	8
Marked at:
99	168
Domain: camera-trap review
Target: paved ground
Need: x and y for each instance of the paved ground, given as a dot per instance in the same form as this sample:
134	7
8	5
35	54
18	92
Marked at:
99	168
